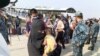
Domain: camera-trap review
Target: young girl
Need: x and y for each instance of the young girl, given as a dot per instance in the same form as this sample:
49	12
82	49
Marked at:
49	43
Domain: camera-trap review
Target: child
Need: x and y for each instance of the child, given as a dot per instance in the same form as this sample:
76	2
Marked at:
49	43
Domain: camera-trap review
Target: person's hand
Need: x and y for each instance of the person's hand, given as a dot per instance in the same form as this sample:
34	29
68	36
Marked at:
27	34
45	42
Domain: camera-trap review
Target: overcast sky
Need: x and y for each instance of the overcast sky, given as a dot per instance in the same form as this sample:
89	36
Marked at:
90	8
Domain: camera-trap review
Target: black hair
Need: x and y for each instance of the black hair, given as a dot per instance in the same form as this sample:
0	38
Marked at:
48	30
33	11
40	16
58	17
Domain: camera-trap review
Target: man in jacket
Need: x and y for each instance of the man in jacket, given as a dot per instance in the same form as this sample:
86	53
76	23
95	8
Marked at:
95	31
79	35
36	34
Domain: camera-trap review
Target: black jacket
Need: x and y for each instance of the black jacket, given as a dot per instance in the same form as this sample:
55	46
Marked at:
36	36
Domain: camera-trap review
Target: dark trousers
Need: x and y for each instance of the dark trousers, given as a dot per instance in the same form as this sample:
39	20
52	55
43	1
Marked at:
18	30
70	33
77	50
56	52
60	38
66	37
92	44
95	39
88	40
33	51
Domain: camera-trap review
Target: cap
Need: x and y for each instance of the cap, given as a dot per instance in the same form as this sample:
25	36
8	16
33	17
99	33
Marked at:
78	14
4	3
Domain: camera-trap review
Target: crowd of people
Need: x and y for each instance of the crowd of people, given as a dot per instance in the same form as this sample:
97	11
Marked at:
9	25
51	36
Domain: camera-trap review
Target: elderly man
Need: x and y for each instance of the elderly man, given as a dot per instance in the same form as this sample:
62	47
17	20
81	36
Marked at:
79	35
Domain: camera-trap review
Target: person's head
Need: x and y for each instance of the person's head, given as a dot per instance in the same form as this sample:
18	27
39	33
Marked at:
96	20
17	17
48	30
69	17
78	16
33	12
40	16
58	17
87	22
